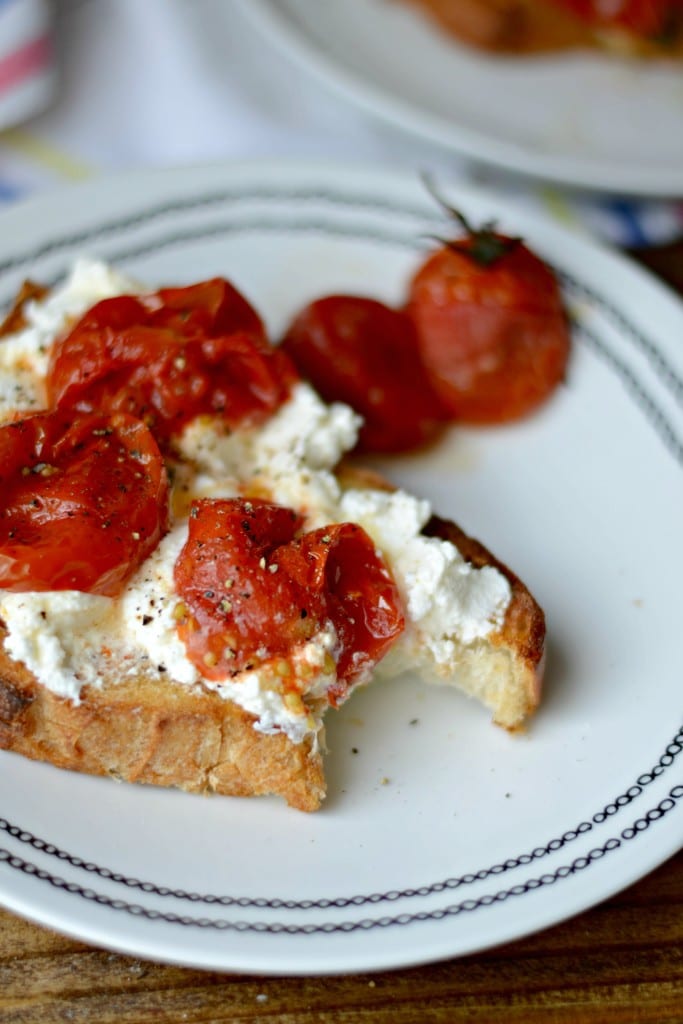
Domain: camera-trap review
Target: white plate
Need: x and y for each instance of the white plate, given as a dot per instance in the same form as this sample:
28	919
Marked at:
477	837
577	118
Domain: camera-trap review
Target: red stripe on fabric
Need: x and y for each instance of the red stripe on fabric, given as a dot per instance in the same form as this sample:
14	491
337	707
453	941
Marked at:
24	62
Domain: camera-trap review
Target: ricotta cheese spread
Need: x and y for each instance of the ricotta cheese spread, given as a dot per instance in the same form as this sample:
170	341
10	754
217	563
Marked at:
24	355
447	600
70	639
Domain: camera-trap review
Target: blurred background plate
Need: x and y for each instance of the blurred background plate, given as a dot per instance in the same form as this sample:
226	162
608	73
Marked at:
581	119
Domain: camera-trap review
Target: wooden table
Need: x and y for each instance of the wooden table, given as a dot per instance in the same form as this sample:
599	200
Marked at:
620	962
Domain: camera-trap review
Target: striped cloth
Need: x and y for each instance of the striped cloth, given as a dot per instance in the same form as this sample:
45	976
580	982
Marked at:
162	82
27	77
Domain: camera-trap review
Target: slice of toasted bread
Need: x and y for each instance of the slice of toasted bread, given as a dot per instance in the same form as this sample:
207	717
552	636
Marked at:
151	729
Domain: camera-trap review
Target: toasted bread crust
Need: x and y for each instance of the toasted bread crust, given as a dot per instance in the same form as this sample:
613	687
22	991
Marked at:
15	319
522	632
160	733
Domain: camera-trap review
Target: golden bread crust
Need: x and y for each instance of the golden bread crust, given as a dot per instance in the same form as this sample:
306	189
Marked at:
522	633
156	732
15	319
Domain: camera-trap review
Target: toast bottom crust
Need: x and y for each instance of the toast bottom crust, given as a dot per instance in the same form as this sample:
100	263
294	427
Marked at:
140	732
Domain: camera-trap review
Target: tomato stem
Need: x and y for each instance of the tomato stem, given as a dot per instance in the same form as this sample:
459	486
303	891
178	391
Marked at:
485	244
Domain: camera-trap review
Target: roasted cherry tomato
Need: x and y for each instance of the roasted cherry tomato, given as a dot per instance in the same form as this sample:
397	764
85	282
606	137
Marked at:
83	501
252	586
168	357
490	324
361	352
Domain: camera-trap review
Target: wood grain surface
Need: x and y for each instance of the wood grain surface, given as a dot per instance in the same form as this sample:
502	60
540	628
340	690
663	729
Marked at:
619	963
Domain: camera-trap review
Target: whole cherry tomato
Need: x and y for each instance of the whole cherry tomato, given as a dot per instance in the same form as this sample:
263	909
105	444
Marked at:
169	357
490	324
83	501
359	351
253	586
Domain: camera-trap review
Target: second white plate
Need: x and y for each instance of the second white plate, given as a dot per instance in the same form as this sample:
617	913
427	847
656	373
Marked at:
577	118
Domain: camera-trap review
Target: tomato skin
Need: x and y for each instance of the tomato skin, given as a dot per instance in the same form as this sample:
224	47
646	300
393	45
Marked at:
84	500
252	586
495	338
359	351
212	307
169	357
361	597
229	595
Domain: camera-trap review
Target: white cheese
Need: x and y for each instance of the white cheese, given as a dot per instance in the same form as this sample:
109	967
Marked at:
447	600
24	355
254	690
58	636
304	430
288	458
147	605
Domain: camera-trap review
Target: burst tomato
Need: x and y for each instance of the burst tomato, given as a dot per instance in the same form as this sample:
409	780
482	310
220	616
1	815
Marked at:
168	357
491	326
252	586
359	351
84	500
